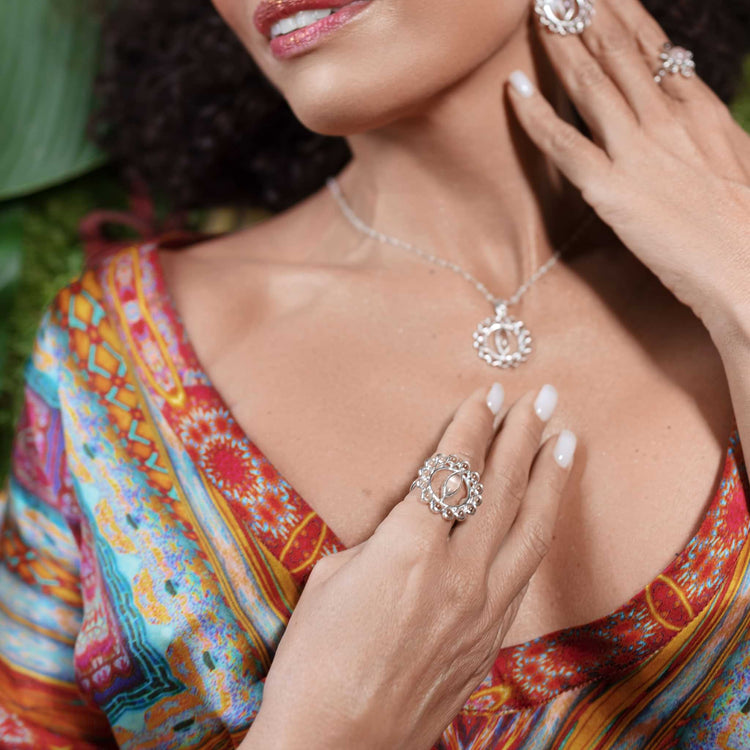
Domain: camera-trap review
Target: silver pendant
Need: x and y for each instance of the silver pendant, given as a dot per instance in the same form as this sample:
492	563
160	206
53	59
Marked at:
502	341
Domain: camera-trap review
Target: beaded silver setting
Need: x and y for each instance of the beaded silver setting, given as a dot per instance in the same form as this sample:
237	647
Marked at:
565	16
502	341
675	60
458	475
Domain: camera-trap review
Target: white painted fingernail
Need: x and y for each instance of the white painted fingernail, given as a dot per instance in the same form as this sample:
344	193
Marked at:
546	401
565	447
521	83
495	398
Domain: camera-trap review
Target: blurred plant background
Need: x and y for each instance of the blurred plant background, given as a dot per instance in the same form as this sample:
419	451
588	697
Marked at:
51	176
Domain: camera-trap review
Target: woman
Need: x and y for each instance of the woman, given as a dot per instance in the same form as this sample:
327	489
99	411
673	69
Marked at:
154	553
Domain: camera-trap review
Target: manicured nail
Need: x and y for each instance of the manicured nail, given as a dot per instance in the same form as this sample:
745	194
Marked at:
520	82
495	398
546	401
565	447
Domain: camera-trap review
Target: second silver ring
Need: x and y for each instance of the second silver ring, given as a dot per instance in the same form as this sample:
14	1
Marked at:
675	60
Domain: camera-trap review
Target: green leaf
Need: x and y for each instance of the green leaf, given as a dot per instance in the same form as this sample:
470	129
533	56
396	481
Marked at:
48	59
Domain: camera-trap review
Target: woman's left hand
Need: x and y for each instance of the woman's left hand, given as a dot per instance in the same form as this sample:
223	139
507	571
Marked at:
668	169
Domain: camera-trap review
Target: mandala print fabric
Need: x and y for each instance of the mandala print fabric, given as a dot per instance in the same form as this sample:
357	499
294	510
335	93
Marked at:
151	557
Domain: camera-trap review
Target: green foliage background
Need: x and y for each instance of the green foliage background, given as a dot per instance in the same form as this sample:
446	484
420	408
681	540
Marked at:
52	256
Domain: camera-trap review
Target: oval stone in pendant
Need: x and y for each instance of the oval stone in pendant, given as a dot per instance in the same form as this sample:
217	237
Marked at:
502	341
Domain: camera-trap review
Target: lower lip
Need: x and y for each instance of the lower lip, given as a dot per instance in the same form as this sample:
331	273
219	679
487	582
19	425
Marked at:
296	42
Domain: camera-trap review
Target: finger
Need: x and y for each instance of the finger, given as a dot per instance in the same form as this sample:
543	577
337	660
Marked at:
580	160
651	39
506	475
467	436
595	95
615	47
530	537
705	117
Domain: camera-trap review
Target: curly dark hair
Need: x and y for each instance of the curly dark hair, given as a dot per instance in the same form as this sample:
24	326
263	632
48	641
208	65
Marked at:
183	106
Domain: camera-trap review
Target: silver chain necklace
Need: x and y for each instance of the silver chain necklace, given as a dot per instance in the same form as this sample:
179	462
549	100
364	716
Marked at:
492	338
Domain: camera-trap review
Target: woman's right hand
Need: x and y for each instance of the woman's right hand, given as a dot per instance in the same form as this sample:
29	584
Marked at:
389	638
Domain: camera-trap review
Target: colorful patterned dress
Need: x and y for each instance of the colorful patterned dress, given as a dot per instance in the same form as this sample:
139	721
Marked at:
151	557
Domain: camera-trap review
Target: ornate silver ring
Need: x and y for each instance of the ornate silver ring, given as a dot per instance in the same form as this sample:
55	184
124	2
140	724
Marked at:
458	475
675	60
564	16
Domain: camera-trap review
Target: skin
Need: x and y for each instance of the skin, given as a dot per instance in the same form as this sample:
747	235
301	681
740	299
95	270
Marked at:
326	344
426	605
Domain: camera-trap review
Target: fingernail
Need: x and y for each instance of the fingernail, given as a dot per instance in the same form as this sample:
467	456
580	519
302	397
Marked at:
520	82
565	448
495	398
546	401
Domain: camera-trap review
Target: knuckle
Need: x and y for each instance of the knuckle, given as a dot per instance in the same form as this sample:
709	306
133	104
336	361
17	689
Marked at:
418	545
531	430
650	35
612	43
477	420
511	486
564	138
663	121
589	75
537	539
407	537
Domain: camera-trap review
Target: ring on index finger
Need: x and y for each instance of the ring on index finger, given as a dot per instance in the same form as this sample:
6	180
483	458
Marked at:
457	474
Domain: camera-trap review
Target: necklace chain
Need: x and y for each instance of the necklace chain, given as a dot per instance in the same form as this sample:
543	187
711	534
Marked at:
346	209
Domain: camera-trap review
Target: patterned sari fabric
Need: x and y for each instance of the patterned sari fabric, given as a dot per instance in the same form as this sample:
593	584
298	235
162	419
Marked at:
151	558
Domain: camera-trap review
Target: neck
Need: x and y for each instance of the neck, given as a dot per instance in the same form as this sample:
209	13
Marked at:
460	178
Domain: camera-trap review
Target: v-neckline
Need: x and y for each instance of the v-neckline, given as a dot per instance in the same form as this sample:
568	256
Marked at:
579	654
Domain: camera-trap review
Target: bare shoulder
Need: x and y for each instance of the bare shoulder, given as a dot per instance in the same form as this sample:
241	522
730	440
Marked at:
224	285
281	238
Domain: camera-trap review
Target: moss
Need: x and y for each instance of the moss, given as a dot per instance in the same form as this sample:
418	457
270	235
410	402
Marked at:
52	257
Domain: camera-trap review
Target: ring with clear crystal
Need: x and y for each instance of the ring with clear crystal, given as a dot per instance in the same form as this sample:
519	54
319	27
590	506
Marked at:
458	475
564	16
675	60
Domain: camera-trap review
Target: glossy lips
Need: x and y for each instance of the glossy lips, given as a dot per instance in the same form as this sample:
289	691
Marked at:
295	42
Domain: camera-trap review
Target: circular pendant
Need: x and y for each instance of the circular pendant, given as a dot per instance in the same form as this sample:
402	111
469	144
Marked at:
502	341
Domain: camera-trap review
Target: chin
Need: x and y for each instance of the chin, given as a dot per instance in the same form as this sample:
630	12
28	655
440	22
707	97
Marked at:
327	102
387	62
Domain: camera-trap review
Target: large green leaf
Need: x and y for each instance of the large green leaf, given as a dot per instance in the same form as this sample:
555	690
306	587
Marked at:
48	56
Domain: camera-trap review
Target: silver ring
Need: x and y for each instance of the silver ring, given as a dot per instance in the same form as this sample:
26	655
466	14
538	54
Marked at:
675	60
459	475
564	16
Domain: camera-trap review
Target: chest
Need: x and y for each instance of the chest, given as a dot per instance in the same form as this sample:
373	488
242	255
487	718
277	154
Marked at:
347	393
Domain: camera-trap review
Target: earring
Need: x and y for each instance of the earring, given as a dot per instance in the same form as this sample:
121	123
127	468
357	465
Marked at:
564	16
